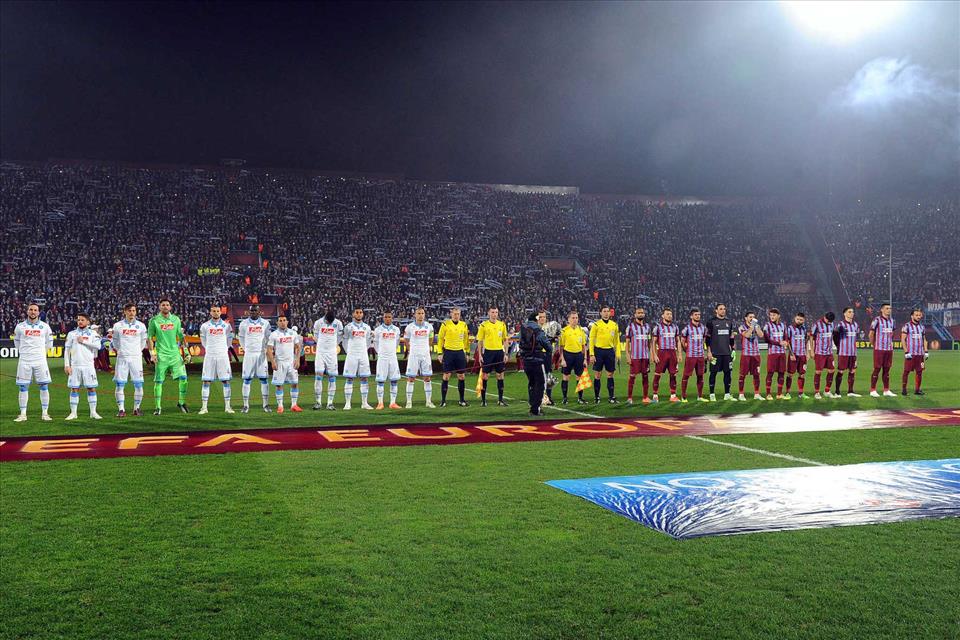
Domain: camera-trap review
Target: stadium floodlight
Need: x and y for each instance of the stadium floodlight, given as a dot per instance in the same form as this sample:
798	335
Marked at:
842	21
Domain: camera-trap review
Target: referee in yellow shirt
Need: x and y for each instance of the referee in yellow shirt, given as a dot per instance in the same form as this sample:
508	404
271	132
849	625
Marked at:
453	340
573	353
605	351
492	343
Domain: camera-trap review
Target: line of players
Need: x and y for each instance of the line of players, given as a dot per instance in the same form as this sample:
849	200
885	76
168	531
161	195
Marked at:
789	348
665	344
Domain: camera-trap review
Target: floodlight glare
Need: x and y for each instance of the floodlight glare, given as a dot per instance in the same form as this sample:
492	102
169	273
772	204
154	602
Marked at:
842	21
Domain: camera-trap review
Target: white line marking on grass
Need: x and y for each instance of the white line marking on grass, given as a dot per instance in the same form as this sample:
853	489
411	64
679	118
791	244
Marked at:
773	454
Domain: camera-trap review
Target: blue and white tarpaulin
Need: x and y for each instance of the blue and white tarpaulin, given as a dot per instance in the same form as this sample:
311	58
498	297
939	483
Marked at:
691	505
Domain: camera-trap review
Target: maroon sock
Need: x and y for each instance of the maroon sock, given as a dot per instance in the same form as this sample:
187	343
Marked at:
673	385
646	386
630	382
850	377
656	383
917	377
873	379
789	383
699	386
683	387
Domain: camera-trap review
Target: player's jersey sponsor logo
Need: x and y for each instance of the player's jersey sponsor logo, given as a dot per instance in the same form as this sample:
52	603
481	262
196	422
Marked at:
255	328
358	333
216	332
420	333
328	331
33	333
167	326
388	335
129	332
285	339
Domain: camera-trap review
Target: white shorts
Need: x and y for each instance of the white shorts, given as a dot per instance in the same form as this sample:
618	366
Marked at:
255	366
285	373
419	365
356	366
27	372
325	364
85	376
388	369
128	367
216	368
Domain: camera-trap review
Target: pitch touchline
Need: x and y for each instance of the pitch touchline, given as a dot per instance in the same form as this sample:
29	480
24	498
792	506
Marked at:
773	454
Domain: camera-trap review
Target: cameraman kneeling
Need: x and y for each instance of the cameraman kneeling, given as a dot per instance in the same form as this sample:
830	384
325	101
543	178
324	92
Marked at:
536	351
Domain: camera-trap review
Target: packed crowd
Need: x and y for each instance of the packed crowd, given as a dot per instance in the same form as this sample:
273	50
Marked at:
91	237
926	256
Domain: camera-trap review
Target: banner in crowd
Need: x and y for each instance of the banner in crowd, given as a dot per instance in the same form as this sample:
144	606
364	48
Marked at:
234	438
692	505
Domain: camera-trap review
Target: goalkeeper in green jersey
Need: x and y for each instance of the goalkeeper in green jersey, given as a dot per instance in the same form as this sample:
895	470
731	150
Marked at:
167	339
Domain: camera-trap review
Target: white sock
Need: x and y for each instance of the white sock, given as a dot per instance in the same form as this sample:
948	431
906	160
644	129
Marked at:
137	395
204	393
227	393
74	401
92	401
294	395
410	383
279	397
394	387
331	389
44	400
265	392
317	388
364	390
23	397
379	393
428	390
118	394
245	392
348	391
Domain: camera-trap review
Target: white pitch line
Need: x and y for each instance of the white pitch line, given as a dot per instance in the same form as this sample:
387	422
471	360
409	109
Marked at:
773	454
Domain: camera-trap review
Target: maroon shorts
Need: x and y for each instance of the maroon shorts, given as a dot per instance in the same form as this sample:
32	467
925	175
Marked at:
823	362
668	361
776	362
691	365
639	365
846	363
749	365
915	364
882	359
799	365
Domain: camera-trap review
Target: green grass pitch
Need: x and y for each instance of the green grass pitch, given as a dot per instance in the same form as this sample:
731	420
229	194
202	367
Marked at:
452	541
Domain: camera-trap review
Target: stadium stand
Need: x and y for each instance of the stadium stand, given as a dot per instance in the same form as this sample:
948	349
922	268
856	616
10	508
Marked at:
92	236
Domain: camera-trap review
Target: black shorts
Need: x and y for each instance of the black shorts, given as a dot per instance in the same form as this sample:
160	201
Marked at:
604	359
574	363
454	361
493	360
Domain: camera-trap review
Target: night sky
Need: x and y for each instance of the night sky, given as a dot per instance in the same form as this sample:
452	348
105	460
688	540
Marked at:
694	98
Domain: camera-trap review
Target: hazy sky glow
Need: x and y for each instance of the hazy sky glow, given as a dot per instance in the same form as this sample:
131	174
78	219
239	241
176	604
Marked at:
695	98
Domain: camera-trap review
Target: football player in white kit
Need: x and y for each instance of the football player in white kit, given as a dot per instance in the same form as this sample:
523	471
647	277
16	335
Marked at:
328	332
385	339
418	339
32	338
80	349
129	339
216	336
357	338
283	350
253	333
